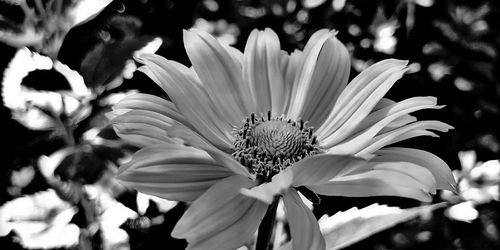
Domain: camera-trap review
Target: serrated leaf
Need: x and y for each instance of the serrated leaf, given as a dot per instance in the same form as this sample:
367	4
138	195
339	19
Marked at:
348	227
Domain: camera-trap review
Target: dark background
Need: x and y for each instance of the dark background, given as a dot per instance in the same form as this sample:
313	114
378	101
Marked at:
460	35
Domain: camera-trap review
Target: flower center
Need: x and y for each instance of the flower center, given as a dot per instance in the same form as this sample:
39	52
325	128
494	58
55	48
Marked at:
267	145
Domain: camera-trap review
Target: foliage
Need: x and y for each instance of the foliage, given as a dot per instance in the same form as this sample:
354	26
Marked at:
452	46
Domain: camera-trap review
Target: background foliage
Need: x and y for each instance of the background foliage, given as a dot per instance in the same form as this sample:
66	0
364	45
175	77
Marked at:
452	46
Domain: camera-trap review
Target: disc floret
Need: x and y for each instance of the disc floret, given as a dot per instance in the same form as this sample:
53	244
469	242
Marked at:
266	145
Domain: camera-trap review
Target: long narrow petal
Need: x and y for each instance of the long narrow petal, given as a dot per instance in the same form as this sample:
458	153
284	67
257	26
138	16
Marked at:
321	79
190	99
151	103
358	99
221	218
289	65
303	225
384	102
220	75
303	72
408	131
227	161
398	122
172	172
417	172
261	71
320	169
374	183
314	170
439	169
142	135
378	120
145	121
190	139
384	116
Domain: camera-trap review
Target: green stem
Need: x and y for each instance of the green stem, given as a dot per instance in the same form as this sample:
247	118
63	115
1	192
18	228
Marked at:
266	226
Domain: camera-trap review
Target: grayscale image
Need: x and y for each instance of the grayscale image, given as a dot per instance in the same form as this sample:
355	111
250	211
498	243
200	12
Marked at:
250	124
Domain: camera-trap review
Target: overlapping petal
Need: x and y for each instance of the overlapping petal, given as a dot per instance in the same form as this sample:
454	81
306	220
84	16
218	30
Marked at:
172	171
289	64
420	128
402	179
141	134
396	123
304	227
439	169
375	122
358	99
151	103
191	99
267	191
155	128
220	75
320	172
320	169
221	218
322	75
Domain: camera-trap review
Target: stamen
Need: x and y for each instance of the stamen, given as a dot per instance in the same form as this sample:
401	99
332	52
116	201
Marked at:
266	147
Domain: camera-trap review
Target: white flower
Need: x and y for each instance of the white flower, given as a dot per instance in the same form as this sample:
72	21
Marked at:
244	130
37	109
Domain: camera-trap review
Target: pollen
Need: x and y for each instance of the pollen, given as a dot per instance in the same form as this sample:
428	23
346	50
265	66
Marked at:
266	145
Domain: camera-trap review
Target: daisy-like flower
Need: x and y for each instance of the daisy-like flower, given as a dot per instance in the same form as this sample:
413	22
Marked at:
244	129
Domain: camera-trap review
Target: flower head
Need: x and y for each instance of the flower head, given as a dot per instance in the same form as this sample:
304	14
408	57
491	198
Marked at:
245	128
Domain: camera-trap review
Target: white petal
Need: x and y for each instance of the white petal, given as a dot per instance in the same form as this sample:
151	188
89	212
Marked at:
168	130
261	71
303	225
374	183
152	103
172	172
434	164
289	65
379	119
190	99
330	64
358	99
320	169
142	135
221	218
409	131
220	75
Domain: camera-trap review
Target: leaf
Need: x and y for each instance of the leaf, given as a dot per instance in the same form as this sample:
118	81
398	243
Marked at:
106	47
348	227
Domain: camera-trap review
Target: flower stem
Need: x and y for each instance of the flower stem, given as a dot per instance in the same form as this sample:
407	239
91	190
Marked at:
266	226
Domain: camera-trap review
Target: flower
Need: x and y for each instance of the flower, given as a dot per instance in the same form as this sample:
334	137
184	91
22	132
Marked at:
477	181
37	109
477	184
245	128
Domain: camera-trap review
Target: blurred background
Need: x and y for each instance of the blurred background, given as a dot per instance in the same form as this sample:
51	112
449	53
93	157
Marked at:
59	154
